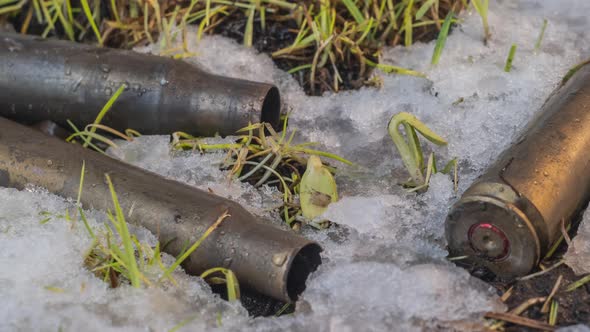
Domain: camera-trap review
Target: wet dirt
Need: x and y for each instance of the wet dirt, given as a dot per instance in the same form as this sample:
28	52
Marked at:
574	306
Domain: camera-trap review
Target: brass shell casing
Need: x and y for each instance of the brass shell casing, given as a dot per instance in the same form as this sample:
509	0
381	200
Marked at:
509	218
272	261
56	80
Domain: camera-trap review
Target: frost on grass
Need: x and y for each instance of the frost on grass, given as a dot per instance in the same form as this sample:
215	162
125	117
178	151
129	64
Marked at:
578	254
384	265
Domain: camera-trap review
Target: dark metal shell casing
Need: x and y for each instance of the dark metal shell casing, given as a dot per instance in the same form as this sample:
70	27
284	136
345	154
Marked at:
272	261
511	216
59	80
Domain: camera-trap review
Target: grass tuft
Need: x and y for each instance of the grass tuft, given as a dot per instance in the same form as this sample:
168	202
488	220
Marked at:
411	153
328	41
260	156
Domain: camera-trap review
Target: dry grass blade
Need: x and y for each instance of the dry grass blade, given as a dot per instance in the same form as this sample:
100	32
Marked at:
540	273
507	294
527	304
521	321
545	308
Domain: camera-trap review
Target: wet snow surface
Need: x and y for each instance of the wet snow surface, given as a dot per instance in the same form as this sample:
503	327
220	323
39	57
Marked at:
384	266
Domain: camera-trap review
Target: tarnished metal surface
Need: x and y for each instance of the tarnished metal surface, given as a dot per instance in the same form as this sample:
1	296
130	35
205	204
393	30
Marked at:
267	259
58	80
511	216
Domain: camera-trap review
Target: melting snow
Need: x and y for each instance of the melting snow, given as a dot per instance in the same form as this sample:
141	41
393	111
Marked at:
578	254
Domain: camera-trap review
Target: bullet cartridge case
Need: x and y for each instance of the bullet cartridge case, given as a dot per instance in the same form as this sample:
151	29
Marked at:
509	218
42	79
264	258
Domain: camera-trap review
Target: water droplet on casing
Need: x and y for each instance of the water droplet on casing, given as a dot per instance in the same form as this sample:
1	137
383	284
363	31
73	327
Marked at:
164	82
105	68
227	261
68	71
108	91
13	45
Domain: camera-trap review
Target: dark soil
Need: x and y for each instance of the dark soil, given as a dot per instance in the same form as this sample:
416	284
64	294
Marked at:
281	34
574	307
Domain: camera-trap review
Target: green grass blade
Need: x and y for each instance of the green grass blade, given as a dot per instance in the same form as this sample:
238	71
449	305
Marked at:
354	11
90	18
86	225
81	182
408	23
553	312
325	154
394	69
106	108
129	253
481	6
233	288
248	33
183	323
541	35
424	8
194	246
66	25
573	70
578	283
442	38
12	8
510	58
